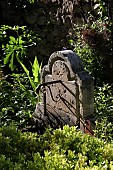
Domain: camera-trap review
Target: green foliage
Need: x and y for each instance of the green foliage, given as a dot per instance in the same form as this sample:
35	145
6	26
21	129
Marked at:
15	42
17	100
14	48
36	70
27	72
93	40
58	149
31	1
93	43
104	102
103	112
91	61
62	149
17	95
104	129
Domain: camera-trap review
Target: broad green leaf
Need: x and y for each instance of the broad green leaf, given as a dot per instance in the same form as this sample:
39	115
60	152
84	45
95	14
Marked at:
11	65
35	70
8	47
20	40
12	39
6	59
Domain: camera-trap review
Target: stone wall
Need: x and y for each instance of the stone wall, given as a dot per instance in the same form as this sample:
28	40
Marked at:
53	21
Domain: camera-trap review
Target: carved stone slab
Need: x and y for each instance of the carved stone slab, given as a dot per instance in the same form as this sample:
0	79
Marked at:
69	101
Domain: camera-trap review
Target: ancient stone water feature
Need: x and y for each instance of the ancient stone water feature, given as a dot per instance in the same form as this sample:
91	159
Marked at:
67	93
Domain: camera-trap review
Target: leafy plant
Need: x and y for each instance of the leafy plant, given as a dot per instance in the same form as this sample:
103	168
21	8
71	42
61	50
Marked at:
104	130
103	112
104	102
15	42
91	61
17	100
91	36
36	70
14	48
62	149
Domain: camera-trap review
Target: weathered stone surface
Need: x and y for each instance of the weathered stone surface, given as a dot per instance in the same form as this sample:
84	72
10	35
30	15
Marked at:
68	92
53	21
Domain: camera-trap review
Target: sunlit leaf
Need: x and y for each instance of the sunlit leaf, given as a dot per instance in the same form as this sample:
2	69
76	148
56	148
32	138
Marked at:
11	65
20	41
6	59
36	70
12	39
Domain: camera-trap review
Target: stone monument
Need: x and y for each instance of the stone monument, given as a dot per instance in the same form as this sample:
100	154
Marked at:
67	93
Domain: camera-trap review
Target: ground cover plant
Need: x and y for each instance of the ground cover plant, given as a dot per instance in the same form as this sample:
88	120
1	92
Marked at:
57	149
17	100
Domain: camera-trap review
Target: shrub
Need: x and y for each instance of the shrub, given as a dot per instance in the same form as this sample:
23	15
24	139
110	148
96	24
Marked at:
17	96
58	149
17	100
103	112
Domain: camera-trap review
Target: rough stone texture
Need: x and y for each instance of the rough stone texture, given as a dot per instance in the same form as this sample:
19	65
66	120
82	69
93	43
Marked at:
52	20
69	101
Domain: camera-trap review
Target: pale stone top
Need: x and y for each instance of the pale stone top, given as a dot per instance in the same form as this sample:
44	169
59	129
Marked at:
74	64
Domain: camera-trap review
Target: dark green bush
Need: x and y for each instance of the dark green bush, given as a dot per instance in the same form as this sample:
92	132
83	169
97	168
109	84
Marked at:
17	100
